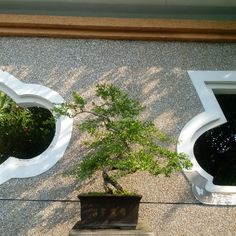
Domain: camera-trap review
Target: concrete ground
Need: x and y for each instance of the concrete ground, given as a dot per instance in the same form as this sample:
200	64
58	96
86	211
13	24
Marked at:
153	72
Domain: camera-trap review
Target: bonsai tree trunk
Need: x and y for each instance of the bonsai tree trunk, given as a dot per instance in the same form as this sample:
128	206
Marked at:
108	180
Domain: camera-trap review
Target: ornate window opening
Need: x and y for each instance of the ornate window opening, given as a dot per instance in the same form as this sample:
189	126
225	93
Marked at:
30	95
209	134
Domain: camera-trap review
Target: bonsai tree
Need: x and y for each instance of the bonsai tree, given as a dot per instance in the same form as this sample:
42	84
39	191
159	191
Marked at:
120	143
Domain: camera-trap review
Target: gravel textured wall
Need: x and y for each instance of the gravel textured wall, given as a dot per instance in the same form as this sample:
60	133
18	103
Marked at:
153	72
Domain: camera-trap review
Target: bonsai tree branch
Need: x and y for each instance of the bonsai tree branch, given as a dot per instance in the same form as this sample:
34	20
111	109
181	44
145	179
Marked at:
108	180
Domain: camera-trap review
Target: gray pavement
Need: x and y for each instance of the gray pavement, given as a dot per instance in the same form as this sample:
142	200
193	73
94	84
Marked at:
153	72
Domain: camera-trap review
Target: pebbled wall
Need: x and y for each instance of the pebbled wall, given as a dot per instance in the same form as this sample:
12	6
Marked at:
153	72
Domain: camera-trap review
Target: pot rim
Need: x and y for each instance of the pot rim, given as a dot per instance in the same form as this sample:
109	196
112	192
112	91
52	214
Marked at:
87	195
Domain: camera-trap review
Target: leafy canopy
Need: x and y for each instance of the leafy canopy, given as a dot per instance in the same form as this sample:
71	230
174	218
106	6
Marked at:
119	139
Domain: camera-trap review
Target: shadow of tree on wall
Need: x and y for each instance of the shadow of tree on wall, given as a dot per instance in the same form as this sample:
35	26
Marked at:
153	72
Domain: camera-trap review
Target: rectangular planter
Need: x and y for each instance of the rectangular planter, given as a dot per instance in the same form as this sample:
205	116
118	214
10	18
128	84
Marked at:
109	212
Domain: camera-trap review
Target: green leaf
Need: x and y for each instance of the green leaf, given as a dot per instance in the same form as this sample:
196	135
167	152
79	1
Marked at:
78	99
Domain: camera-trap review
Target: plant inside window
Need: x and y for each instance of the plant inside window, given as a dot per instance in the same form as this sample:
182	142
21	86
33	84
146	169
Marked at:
25	132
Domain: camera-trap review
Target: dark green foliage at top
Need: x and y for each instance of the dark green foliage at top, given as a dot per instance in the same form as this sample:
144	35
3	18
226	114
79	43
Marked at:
119	139
24	132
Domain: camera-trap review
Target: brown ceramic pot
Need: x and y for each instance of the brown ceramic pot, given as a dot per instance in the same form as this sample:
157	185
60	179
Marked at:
109	211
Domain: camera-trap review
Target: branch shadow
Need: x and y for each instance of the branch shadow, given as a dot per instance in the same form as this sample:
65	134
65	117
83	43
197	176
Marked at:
153	72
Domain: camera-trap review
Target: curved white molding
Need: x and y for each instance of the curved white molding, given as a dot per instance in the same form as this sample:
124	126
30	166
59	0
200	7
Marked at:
207	83
35	95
